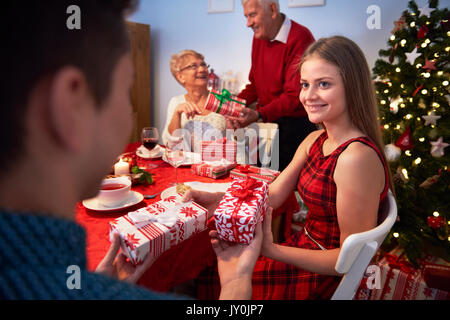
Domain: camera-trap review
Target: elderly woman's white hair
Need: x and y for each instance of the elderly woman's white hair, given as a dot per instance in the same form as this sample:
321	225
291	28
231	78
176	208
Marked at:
265	3
178	59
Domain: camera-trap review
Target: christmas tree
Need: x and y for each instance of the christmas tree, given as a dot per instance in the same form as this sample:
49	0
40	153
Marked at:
412	84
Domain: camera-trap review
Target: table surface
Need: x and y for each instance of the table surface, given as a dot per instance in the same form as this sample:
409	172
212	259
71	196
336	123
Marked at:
180	263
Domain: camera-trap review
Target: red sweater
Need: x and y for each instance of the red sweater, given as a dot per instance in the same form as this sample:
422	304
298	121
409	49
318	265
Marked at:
274	79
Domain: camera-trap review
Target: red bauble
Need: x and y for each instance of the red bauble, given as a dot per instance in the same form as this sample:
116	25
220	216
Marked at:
405	140
422	32
435	222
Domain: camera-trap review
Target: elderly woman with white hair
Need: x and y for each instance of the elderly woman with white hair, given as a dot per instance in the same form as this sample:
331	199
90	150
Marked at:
187	111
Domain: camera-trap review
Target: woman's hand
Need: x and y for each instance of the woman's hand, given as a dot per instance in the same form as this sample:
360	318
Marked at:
189	109
118	267
267	244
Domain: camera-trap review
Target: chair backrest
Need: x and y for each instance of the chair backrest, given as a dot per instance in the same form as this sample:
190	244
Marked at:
358	249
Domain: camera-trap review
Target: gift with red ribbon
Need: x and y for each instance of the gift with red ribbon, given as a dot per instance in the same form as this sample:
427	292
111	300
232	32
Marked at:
397	262
242	207
400	280
212	169
216	150
158	227
262	174
224	103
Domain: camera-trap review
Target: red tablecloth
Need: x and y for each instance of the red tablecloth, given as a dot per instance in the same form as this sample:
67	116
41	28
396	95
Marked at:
177	265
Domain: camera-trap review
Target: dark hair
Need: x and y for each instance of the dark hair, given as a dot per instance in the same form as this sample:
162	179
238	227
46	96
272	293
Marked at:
36	43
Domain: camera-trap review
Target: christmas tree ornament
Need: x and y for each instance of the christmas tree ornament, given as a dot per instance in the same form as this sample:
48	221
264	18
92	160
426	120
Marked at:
405	140
438	146
417	90
429	65
392	152
429	181
431	118
425	11
393	106
422	104
435	222
400	24
392	56
422	32
412	56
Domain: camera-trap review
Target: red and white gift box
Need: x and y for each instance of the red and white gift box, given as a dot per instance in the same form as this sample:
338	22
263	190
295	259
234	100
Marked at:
263	174
242	207
224	103
216	150
399	280
212	169
158	227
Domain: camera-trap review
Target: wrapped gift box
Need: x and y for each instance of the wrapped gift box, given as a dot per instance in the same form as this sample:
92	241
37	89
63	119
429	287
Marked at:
158	227
263	174
399	280
212	169
242	207
217	150
224	104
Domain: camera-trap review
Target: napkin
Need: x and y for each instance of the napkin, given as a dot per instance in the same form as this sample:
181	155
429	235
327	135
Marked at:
149	153
141	217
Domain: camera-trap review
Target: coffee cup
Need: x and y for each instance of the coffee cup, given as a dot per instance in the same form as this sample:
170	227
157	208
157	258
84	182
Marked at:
114	191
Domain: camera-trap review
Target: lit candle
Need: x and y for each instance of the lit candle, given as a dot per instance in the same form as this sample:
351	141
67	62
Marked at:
121	167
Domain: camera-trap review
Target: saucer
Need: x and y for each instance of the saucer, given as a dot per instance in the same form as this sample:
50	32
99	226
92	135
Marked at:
156	153
133	198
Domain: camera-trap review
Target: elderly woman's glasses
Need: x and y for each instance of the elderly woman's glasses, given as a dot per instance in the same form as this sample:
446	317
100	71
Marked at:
195	66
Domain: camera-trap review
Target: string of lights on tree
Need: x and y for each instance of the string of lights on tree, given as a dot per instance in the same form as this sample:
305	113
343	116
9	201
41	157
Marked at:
413	92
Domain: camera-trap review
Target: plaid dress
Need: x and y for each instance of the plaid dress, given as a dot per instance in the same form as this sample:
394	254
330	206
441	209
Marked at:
279	281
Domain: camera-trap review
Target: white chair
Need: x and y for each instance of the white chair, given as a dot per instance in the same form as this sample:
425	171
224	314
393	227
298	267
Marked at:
358	249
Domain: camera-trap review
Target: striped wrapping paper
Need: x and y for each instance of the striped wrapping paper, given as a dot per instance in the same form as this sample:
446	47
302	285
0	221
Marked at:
212	169
216	150
224	103
155	238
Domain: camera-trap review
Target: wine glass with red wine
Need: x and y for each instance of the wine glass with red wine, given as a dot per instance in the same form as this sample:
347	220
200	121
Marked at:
149	139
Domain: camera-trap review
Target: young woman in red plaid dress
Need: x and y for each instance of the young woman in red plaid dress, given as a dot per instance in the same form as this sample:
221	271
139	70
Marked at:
340	173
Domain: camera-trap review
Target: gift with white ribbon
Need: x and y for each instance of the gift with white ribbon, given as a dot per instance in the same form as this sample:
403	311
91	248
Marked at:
158	227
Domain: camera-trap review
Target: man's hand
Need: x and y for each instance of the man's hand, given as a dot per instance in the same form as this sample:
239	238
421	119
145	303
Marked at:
235	263
118	267
209	200
248	116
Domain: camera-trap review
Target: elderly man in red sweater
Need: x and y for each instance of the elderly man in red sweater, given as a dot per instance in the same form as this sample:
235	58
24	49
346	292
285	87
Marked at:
278	45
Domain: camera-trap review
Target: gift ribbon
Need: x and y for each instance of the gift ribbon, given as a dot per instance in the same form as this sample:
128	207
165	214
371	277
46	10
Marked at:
247	190
142	218
226	95
244	194
396	263
249	169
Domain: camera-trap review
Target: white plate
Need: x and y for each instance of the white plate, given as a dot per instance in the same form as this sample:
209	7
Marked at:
202	186
156	153
133	198
190	158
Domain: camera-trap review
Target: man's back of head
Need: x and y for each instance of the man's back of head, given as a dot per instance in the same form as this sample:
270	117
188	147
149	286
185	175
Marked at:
38	40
